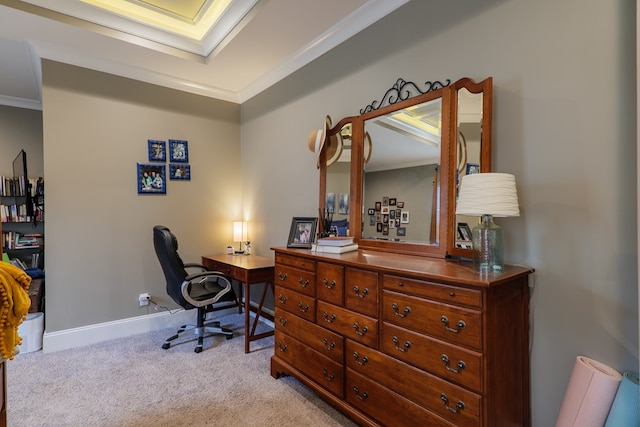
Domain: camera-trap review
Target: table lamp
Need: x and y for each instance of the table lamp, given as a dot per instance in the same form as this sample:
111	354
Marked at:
240	234
487	195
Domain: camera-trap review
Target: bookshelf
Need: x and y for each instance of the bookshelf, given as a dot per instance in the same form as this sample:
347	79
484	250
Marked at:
22	235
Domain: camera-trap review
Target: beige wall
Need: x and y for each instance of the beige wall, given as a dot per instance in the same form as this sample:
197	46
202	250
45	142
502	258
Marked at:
564	124
99	252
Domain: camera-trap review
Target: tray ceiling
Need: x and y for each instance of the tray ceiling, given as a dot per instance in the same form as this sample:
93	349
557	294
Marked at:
226	49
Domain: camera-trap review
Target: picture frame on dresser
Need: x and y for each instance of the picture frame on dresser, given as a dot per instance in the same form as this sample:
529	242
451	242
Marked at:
303	232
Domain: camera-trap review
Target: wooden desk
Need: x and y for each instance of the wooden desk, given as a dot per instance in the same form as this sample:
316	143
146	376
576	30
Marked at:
248	270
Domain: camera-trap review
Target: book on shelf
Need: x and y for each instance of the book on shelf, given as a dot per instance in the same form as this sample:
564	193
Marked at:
335	241
334	249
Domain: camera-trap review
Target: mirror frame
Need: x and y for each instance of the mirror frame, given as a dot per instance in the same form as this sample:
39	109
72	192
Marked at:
399	100
486	88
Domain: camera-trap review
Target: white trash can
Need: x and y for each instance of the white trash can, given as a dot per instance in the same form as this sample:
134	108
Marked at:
31	331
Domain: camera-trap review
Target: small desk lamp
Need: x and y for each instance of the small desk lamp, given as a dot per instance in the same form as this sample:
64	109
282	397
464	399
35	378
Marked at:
487	195
240	234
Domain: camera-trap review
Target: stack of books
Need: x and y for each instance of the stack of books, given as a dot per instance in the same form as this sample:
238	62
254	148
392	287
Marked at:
335	245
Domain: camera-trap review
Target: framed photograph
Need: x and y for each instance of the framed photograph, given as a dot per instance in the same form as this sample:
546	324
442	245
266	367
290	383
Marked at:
392	201
151	179
399	205
378	206
464	232
385	201
404	217
372	220
157	150
371	211
379	227
180	172
303	232
385	210
473	168
178	151
401	231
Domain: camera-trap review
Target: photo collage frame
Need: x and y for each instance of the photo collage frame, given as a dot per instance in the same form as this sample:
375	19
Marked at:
152	176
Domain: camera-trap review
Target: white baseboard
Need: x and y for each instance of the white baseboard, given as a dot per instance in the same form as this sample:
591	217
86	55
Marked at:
92	334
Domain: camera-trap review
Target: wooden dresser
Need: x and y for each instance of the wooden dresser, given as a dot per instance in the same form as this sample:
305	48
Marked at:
401	340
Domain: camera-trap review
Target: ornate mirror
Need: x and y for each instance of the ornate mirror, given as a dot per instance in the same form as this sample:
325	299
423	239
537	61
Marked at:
398	196
394	186
471	112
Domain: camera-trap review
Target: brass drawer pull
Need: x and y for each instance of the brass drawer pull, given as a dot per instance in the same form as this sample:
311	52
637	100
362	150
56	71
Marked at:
396	342
357	327
329	285
303	308
328	377
461	365
460	324
362	362
282	276
282	299
364	293
281	347
327	318
328	346
362	396
459	405
407	310
303	283
282	321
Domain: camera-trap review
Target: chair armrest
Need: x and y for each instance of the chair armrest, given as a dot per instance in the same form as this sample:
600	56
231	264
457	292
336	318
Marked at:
195	265
202	277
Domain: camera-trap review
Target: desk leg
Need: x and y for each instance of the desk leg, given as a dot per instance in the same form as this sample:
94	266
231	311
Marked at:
250	335
247	309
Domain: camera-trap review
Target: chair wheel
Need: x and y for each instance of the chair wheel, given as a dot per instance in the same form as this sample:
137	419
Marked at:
198	350
166	345
229	336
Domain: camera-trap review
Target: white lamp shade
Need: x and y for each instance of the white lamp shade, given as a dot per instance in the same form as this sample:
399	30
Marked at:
488	194
240	231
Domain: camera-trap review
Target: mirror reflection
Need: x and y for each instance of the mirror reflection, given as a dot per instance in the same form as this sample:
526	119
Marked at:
337	181
401	176
469	127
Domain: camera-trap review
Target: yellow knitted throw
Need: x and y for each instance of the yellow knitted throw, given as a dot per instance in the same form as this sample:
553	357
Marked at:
14	306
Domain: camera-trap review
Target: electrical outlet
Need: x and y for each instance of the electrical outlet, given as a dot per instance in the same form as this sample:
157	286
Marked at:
143	299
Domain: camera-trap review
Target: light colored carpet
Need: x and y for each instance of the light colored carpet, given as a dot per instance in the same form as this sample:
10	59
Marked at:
134	382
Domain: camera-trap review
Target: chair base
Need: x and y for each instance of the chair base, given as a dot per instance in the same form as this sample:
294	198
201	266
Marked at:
209	329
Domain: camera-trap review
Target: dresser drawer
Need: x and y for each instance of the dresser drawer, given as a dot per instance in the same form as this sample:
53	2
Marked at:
445	293
388	407
352	325
293	278
416	385
438	357
361	291
455	324
296	303
330	283
292	261
320	339
319	368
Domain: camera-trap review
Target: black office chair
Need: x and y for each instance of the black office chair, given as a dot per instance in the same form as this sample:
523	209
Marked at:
204	290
